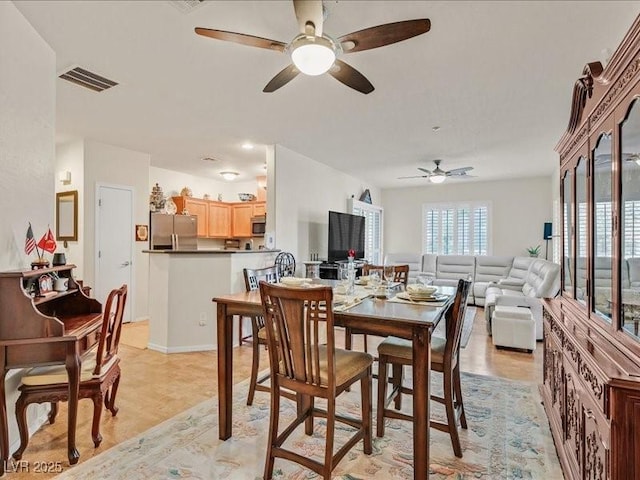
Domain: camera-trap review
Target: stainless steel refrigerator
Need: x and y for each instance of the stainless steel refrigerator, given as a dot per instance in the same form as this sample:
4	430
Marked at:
173	232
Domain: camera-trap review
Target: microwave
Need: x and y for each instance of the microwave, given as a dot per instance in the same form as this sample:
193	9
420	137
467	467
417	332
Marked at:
258	225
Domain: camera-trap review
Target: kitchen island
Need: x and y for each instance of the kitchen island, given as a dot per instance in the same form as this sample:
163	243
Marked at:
182	283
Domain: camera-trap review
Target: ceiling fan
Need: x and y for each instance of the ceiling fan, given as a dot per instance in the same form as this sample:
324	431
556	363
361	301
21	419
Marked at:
437	175
314	53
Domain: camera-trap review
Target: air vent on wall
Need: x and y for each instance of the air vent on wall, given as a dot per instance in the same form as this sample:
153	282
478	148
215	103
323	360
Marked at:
186	6
87	79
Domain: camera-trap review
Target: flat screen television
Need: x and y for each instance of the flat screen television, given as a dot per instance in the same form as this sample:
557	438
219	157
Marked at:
346	232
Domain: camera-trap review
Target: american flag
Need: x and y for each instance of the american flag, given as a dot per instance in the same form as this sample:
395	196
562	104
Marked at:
29	243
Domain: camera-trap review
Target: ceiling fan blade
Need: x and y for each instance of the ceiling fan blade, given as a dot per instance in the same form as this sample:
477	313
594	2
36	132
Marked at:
382	35
241	38
414	176
309	11
424	170
281	79
351	77
459	171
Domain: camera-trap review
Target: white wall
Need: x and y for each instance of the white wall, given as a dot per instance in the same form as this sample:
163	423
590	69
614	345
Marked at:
519	209
305	191
108	164
27	129
70	157
173	182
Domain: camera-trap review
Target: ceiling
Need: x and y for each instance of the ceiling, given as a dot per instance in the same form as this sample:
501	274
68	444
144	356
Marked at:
495	76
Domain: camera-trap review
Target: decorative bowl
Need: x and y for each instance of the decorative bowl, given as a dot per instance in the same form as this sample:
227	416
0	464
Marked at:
246	197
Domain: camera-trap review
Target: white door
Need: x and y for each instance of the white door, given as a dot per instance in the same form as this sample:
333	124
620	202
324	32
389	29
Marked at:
114	242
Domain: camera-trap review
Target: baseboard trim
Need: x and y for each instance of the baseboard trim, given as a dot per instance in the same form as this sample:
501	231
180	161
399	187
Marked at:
184	349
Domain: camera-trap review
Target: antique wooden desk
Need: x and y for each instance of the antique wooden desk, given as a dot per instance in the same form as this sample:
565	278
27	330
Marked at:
376	317
34	331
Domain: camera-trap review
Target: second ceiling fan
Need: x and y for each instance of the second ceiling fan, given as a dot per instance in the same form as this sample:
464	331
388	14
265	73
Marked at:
314	53
437	175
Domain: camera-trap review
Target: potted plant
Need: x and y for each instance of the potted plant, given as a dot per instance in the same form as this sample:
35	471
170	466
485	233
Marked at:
534	251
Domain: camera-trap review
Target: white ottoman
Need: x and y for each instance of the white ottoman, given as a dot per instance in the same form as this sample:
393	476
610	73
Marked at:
513	327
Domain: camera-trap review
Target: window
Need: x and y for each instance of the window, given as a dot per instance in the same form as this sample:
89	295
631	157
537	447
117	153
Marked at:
373	229
456	228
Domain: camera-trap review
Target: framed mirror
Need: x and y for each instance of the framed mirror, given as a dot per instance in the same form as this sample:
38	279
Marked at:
67	215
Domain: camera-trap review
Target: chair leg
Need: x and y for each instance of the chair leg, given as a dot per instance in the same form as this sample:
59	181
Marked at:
240	318
382	395
331	429
273	431
364	337
111	397
307	405
97	414
451	414
366	401
53	413
396	381
458	391
21	417
347	339
254	371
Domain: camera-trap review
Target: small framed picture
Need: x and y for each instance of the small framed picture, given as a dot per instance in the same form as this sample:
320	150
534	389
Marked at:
142	233
45	285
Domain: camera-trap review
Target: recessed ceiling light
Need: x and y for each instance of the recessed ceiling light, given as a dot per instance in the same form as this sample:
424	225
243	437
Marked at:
229	175
247	146
436	128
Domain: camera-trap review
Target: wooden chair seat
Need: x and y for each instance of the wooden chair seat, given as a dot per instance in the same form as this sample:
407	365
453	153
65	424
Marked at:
303	359
445	359
400	348
99	377
58	373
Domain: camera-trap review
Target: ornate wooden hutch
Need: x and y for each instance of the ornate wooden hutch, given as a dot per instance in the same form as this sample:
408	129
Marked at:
591	389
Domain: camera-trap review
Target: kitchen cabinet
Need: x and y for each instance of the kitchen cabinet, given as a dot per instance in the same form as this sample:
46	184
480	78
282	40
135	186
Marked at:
219	220
241	219
259	209
197	207
241	214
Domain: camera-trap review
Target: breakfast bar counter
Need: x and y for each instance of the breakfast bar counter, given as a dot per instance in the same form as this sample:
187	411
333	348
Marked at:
181	285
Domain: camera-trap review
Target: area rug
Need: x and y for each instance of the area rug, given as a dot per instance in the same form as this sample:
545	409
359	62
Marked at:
467	326
508	438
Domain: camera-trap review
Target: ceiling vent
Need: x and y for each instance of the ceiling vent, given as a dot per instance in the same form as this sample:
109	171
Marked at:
87	79
186	6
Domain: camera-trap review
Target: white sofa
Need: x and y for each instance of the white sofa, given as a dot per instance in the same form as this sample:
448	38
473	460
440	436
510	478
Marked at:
504	280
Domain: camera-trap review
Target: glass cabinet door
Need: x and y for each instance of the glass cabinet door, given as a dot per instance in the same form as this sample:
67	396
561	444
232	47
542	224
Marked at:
630	220
602	284
582	272
567	260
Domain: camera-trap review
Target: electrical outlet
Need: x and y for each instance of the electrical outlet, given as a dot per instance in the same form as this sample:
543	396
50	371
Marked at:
203	319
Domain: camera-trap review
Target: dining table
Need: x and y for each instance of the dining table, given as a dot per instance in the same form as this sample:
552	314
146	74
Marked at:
414	321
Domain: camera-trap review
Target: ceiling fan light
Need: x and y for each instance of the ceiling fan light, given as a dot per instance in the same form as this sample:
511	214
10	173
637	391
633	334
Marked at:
437	178
312	55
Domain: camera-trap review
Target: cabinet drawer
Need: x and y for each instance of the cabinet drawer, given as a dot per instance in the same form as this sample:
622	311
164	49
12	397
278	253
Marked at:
593	382
90	340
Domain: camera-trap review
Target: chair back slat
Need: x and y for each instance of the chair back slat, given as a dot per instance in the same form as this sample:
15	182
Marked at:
454	317
111	328
298	320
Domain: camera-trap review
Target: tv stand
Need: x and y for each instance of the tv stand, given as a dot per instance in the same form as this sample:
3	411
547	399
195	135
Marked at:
329	270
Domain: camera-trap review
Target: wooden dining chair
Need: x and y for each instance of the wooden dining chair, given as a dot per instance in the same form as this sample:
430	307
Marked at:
400	274
252	277
444	359
99	376
303	359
